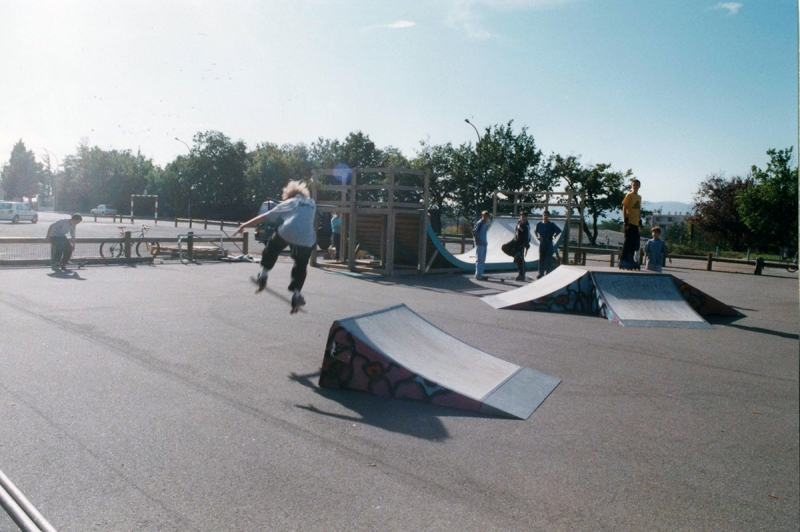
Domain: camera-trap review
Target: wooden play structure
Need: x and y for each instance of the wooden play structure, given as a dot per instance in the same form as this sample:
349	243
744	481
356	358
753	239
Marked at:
384	217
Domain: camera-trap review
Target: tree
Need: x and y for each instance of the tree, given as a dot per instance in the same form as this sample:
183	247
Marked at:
270	167
603	189
769	207
504	160
22	175
93	176
715	213
447	167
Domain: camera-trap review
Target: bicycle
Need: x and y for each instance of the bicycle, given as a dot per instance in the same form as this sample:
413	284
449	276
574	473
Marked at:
143	247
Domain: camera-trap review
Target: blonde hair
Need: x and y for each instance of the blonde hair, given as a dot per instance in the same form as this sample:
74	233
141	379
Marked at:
294	188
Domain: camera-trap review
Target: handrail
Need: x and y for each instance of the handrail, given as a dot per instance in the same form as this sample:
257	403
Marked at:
20	509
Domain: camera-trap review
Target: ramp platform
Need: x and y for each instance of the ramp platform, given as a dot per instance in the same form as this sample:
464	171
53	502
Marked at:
396	353
632	299
500	231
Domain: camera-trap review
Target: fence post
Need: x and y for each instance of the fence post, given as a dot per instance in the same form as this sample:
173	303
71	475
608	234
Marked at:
190	223
176	221
206	225
611	260
190	246
221	225
710	260
245	243
127	244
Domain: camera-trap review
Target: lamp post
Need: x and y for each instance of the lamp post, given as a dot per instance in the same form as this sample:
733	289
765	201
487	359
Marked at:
191	187
52	183
480	169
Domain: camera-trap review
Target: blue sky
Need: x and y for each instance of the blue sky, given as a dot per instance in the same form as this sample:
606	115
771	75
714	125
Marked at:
674	90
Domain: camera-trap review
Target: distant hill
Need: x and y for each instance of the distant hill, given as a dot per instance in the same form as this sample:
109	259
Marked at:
674	207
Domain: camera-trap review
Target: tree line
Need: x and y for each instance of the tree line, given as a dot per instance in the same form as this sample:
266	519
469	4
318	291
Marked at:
219	178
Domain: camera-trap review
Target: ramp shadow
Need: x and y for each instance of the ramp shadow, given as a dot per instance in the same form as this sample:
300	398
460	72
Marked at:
729	321
408	417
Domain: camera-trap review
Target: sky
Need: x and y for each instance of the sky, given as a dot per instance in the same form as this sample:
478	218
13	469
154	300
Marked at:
672	90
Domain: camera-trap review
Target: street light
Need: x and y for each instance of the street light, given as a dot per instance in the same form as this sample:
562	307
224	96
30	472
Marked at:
480	168
191	187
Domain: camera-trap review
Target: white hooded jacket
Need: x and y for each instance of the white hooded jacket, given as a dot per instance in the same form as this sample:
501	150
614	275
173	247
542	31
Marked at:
296	217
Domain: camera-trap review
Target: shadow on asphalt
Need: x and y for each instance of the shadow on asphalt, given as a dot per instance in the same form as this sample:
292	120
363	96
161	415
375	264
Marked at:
403	416
729	321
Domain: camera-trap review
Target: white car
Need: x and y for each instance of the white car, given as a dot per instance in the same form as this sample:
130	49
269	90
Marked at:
16	212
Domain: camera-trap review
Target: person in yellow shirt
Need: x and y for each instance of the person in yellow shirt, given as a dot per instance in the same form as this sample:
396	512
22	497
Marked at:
632	216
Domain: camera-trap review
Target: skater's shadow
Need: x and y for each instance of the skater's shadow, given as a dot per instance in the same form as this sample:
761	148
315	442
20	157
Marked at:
403	416
66	275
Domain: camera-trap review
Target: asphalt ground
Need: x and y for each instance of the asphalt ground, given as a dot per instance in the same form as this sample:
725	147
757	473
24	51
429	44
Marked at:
171	397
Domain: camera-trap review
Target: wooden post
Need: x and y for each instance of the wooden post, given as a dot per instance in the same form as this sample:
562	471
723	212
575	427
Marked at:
205	225
351	233
566	230
127	244
611	260
710	260
176	221
245	243
390	225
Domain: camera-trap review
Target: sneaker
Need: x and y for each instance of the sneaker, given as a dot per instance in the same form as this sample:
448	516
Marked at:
54	267
63	267
261	282
519	278
297	301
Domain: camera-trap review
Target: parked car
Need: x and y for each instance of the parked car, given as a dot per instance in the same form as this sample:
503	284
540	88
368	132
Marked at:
104	210
16	212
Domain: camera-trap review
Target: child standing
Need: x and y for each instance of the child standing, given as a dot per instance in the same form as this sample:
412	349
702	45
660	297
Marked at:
655	251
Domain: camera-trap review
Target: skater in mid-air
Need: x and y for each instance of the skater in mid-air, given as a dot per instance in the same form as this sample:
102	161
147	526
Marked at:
632	216
295	216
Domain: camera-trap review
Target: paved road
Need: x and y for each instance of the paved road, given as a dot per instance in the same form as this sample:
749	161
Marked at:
170	397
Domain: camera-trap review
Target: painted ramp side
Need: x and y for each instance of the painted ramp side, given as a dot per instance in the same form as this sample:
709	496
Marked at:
565	289
396	353
645	300
500	231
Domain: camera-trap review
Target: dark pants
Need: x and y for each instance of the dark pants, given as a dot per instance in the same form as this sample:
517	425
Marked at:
60	250
631	245
300	254
519	258
337	243
545	259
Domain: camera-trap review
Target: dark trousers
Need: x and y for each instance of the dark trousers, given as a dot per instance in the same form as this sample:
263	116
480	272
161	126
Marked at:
519	258
60	250
300	254
631	244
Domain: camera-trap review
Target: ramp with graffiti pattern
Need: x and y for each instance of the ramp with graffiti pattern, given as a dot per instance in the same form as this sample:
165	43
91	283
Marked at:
396	353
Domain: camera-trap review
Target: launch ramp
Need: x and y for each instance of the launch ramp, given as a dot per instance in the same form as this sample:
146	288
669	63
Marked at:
396	353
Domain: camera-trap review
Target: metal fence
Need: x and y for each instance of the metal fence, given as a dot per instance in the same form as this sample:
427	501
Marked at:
19	252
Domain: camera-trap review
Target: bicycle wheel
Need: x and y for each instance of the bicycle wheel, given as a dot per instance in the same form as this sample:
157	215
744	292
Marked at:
144	249
792	267
112	249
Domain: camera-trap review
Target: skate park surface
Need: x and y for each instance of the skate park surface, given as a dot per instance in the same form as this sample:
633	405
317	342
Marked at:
171	397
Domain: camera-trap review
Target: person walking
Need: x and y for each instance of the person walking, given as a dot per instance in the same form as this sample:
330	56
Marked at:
295	214
336	235
479	234
632	216
545	232
61	247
